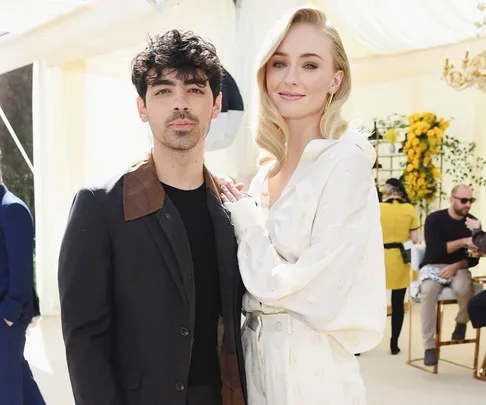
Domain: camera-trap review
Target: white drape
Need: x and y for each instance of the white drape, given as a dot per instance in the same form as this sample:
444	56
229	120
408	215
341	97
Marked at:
58	129
395	26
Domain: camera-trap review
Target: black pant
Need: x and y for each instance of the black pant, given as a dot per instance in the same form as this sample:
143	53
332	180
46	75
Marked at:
204	395
477	310
397	314
17	385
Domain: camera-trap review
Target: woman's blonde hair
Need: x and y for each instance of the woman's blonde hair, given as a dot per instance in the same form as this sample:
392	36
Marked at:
272	132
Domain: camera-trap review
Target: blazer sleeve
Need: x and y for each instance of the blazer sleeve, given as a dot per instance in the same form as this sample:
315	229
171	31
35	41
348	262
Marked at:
327	276
85	279
18	232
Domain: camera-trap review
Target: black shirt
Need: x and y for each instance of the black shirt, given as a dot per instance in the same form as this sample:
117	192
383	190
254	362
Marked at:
192	207
441	228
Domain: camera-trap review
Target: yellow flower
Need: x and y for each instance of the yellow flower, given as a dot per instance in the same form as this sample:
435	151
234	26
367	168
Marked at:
425	133
443	124
413	118
391	135
428	117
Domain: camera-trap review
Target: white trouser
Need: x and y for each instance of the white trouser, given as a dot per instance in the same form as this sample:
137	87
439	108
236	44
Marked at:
289	363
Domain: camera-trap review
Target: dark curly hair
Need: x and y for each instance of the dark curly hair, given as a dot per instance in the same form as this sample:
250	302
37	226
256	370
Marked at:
182	51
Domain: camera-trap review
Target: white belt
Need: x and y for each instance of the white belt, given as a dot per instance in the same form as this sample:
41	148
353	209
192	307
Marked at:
283	322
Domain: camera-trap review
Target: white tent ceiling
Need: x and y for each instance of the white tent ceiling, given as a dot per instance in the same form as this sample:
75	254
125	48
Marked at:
19	16
63	31
384	27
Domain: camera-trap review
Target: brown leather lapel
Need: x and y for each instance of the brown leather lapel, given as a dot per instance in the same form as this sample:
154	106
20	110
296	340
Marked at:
143	193
212	184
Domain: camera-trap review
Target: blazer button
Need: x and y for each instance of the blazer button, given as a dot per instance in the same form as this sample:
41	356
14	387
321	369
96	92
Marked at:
184	331
179	386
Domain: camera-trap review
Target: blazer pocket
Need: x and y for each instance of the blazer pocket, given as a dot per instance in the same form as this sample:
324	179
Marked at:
128	378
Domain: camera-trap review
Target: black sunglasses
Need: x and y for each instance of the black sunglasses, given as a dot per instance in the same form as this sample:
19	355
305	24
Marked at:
465	200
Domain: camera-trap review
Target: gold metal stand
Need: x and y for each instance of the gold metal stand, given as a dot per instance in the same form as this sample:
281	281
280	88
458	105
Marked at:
479	374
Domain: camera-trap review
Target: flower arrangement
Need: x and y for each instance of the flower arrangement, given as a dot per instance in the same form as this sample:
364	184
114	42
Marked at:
391	135
392	127
423	142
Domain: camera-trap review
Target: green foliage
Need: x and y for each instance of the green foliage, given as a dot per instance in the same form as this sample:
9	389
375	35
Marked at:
395	121
16	101
462	162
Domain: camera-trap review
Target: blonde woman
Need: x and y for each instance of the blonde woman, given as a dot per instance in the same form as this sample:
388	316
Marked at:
311	252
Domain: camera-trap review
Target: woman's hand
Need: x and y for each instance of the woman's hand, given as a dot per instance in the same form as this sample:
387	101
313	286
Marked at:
231	191
473	224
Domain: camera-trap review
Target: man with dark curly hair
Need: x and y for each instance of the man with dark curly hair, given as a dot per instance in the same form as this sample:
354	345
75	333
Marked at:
148	275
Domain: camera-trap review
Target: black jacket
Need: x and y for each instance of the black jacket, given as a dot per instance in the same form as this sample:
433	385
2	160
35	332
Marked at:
127	295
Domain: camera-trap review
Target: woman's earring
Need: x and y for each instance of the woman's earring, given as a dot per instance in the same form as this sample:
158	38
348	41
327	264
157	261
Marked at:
329	101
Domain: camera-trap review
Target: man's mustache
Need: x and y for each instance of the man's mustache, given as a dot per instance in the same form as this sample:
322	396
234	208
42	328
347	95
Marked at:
182	116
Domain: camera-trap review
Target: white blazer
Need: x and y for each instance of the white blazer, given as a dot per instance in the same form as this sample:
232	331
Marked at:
318	252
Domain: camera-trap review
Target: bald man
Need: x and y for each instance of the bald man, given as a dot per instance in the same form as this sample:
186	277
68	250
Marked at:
446	263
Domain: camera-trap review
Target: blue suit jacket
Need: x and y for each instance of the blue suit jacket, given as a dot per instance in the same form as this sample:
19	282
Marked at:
17	296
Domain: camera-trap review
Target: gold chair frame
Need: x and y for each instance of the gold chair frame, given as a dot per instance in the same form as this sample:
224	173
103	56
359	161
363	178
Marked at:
479	374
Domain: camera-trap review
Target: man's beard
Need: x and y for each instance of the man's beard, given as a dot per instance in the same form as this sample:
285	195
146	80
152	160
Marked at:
183	141
461	212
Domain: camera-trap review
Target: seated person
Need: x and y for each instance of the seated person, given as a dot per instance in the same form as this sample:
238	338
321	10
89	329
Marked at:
446	263
477	305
